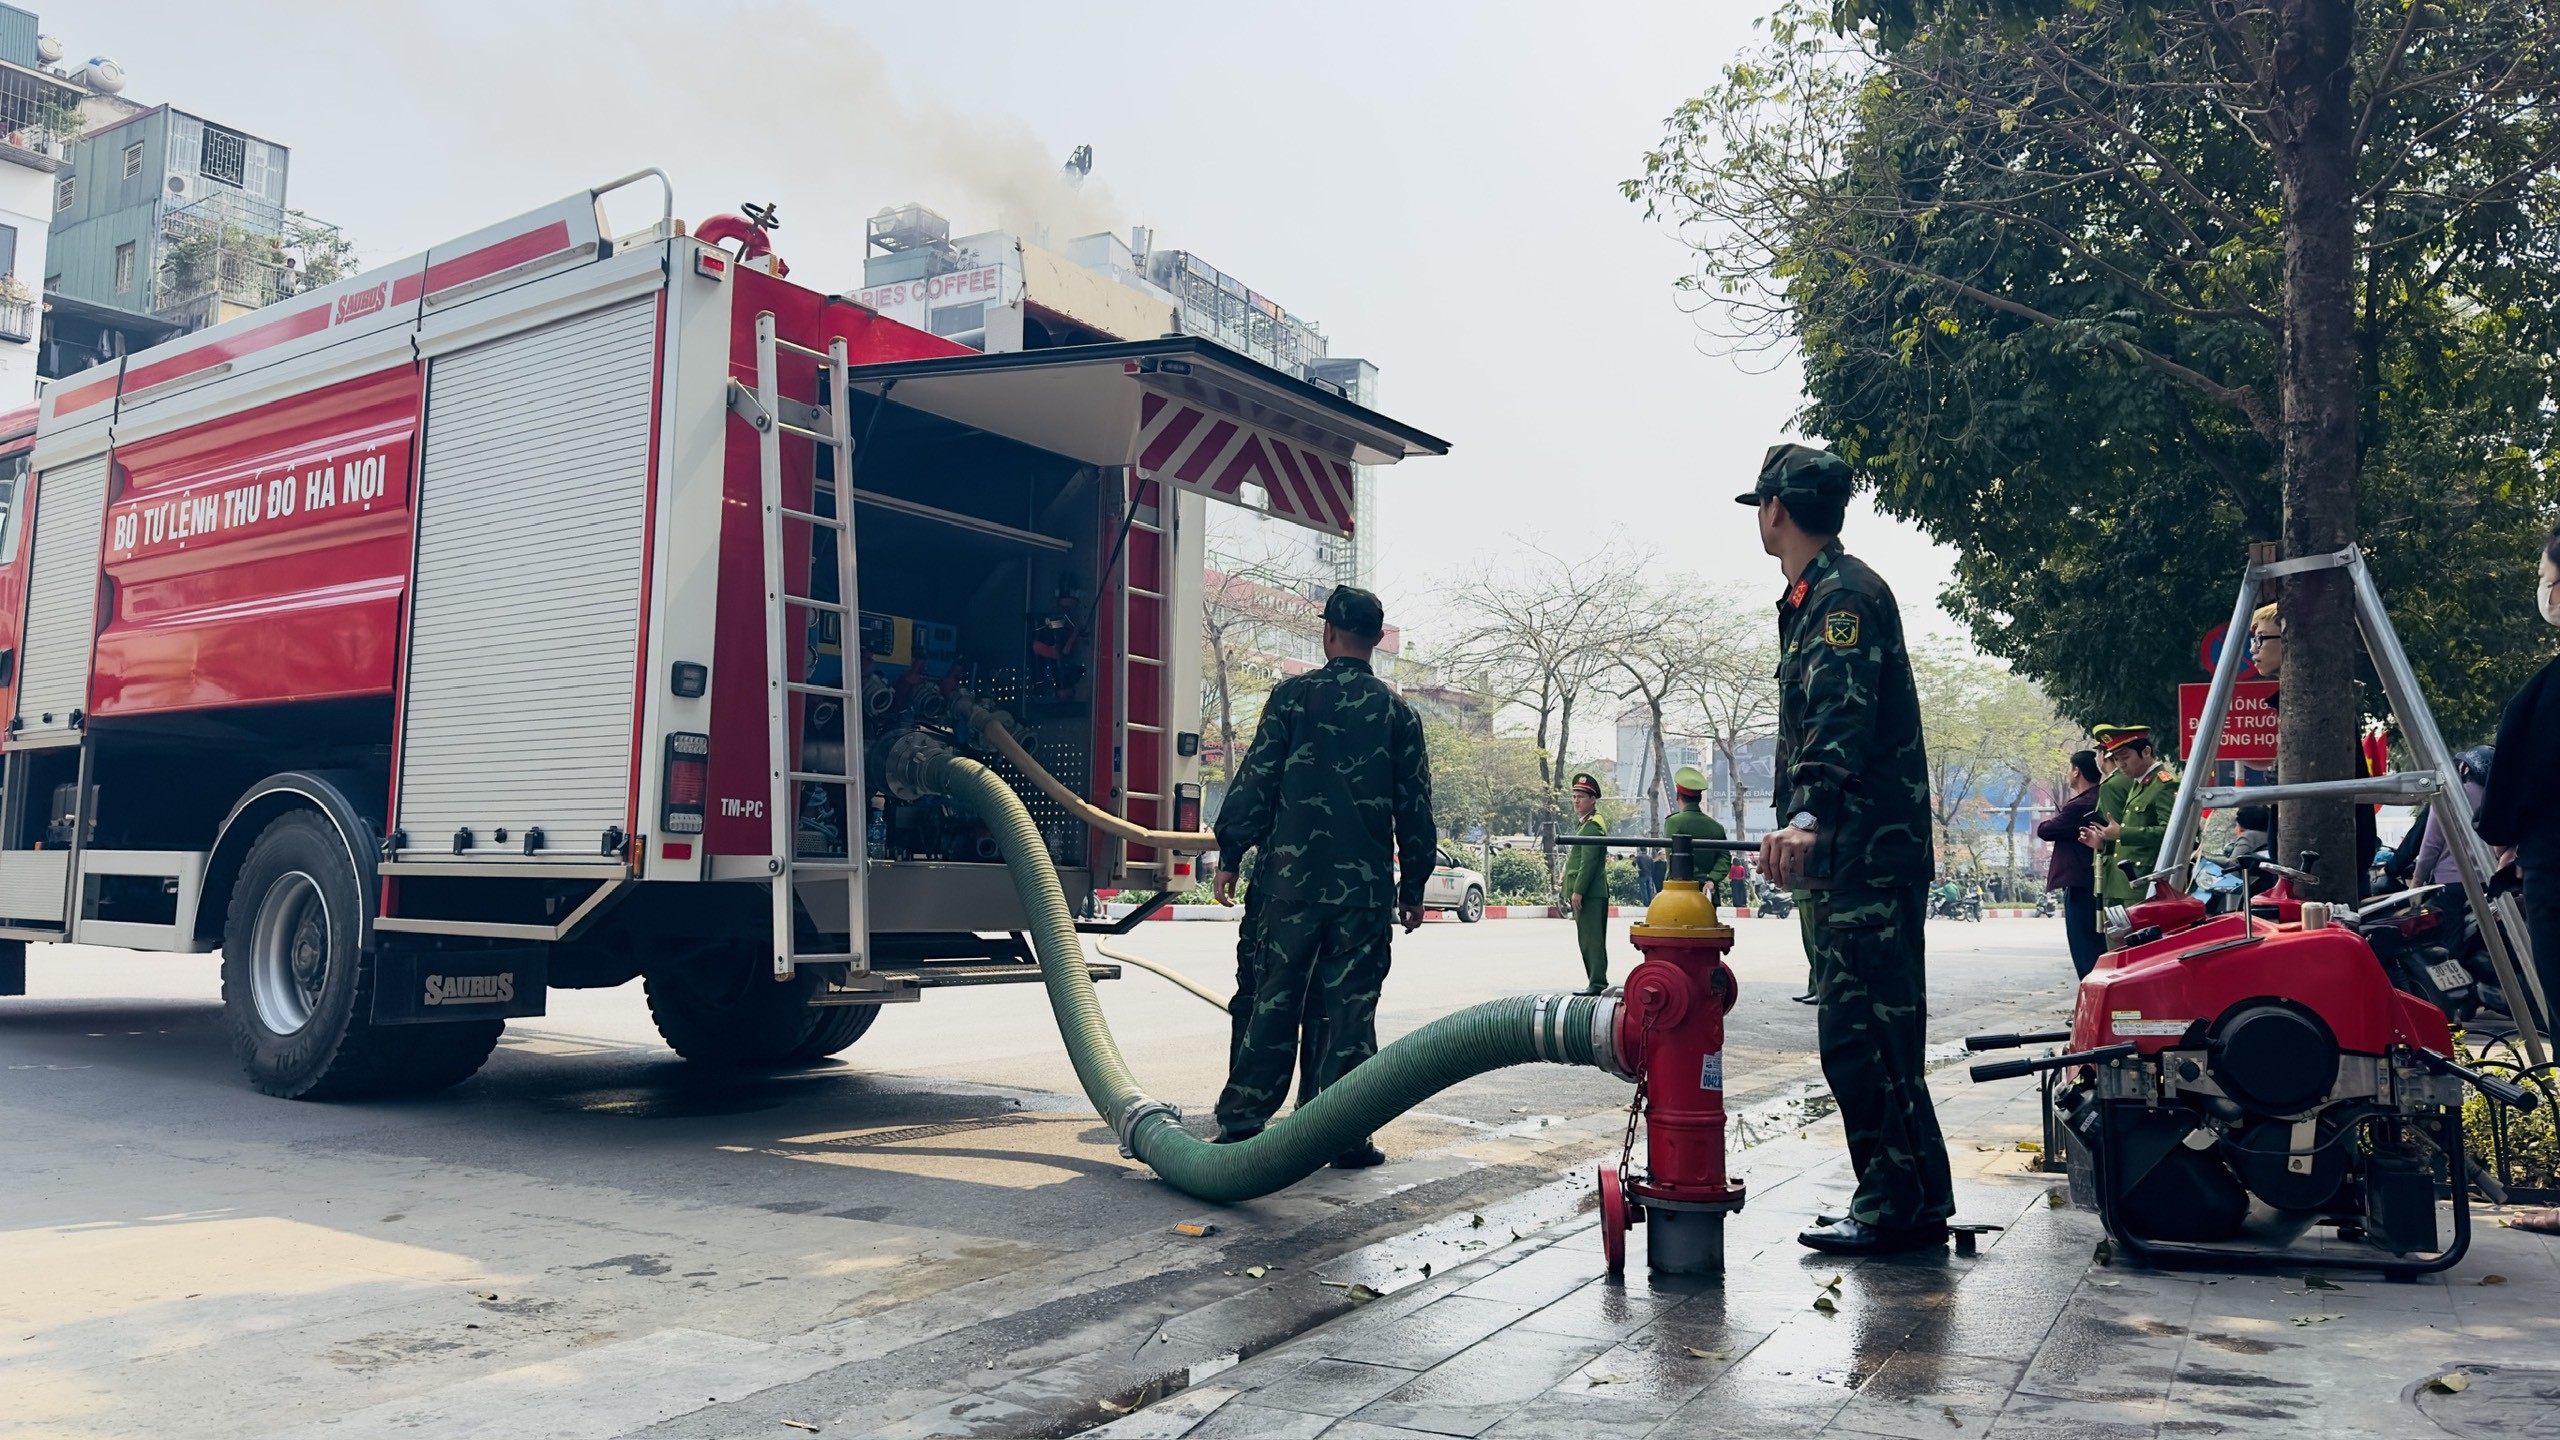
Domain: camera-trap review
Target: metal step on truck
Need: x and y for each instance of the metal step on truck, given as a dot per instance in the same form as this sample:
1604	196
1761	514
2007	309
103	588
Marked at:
545	610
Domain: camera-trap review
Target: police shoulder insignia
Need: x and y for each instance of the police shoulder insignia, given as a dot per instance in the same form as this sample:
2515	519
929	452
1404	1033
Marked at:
1840	629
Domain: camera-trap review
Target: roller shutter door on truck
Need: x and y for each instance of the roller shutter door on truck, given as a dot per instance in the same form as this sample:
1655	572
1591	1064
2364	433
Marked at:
62	600
532	530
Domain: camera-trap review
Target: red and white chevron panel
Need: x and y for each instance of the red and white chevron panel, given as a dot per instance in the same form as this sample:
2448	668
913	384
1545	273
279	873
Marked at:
1209	454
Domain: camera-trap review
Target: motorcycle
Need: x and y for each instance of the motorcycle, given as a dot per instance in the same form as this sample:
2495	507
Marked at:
1771	901
2048	904
1965	906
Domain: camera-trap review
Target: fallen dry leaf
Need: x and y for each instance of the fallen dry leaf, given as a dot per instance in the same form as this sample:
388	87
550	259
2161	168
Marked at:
2314	1282
1476	1223
801	1425
1823	1304
1118	1409
2316	1319
2030	1147
2493	1279
1598	1380
2106	1284
2105	1254
1426	1265
1950	1412
2055	1199
1256	1272
1832	1284
1360	1294
1697	1354
2450	1384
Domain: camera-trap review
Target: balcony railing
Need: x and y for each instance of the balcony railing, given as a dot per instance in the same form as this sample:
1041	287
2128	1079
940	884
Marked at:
18	320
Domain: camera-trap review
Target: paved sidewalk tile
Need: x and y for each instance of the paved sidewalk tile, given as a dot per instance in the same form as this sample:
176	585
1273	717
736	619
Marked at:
1333	1387
1478	1388
2030	1339
1429	1335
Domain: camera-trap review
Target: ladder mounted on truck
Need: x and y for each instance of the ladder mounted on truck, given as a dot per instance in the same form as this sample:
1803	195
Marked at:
2435	781
788	615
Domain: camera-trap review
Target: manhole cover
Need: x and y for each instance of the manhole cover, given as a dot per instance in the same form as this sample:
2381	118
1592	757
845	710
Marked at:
2500	1402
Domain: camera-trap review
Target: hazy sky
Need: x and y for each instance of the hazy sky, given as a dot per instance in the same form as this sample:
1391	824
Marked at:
1435	184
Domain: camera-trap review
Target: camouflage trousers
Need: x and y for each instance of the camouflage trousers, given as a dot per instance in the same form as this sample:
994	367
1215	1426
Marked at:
1305	1007
1591	932
1870	972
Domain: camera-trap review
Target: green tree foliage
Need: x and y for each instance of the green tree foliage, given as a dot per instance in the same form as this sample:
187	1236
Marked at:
1482	782
2031	258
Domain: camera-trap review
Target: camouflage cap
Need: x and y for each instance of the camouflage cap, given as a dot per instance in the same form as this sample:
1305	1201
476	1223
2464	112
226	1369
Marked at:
1356	612
1800	472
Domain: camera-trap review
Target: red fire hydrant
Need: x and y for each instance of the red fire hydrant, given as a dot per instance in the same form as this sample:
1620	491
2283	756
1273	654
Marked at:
1671	1032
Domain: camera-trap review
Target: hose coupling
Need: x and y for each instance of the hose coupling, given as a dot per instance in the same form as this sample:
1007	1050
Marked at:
914	766
1604	1040
1137	1112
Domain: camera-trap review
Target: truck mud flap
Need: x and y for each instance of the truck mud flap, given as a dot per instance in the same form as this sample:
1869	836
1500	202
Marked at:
419	985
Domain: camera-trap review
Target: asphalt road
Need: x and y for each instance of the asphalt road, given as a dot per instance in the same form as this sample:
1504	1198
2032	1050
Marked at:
592	1237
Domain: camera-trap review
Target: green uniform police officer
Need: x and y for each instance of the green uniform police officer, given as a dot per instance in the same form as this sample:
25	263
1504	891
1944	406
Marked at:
1586	887
1336	793
1691	818
1853	794
2132	831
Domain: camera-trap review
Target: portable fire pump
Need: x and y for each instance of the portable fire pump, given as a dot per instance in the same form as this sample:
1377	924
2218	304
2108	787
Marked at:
2236	1083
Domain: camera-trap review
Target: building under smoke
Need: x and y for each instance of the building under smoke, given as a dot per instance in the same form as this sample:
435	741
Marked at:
1002	290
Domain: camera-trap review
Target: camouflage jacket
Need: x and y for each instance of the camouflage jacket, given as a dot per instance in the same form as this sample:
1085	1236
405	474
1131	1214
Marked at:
1334	789
1849	747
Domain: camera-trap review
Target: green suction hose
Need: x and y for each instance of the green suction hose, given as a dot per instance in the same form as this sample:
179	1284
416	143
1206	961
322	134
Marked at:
1515	1030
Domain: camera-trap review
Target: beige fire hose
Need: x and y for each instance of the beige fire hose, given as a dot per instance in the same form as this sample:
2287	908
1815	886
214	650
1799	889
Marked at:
1103	947
996	727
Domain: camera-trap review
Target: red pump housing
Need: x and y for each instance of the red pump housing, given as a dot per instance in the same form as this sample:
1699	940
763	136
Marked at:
2152	994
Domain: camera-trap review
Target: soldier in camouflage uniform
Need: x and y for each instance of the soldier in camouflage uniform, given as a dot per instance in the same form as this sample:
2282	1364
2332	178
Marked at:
1335	791
1853	783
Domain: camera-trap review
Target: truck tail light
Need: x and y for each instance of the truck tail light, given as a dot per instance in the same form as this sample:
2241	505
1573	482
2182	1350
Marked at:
688	781
1186	807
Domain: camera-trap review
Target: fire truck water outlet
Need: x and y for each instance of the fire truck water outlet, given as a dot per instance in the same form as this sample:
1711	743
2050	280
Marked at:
1561	1029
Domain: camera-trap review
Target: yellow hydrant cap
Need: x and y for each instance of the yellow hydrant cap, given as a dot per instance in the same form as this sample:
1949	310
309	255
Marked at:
1682	910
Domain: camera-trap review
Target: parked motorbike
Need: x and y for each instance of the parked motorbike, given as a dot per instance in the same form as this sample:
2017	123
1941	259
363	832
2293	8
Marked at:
1965	906
2048	904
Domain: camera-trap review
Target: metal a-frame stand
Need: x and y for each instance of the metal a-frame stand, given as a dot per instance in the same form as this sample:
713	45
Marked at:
2435	781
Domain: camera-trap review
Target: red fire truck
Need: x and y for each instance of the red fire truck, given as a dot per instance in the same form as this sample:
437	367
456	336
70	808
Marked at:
539	612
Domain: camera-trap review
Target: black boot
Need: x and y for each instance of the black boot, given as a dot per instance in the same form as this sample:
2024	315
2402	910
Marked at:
1360	1157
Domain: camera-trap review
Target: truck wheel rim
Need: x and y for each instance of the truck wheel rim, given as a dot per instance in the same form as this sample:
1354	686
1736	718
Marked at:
289	953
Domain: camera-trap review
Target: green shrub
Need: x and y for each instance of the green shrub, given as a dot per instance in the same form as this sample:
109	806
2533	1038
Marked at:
1519	877
2533	1148
1624	888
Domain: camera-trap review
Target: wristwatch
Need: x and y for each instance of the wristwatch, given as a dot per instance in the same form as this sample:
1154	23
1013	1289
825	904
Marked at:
1801	820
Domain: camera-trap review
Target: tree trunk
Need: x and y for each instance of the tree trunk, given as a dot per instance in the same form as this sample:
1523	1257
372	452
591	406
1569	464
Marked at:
1658	795
2315	166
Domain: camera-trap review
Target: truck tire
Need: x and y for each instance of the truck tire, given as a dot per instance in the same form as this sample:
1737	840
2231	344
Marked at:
837	1027
727	1009
297	985
438	1057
